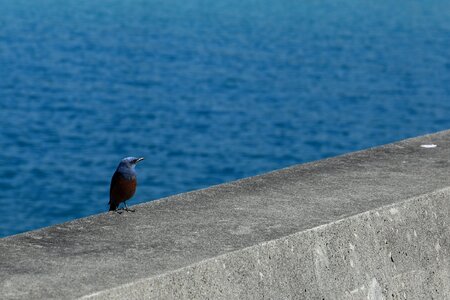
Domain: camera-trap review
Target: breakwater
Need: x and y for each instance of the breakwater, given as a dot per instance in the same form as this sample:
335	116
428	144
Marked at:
371	224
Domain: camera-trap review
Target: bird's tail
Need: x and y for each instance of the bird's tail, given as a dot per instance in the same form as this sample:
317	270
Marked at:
112	206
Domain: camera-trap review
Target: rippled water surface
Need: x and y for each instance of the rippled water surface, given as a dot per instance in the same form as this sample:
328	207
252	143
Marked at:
207	91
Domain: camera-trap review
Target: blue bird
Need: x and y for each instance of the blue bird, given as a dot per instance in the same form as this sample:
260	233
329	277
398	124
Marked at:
123	183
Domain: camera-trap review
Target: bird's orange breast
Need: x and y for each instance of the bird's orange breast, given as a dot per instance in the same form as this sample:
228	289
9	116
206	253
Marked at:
121	188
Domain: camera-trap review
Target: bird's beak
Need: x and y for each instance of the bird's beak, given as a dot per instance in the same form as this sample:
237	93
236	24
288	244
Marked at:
139	159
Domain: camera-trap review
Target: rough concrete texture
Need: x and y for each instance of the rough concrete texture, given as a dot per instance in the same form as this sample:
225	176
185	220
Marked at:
368	225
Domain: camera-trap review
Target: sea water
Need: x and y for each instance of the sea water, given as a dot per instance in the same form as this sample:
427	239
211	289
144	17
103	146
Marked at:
206	91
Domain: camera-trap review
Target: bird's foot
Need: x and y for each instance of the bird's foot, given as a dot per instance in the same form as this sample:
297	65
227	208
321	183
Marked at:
129	209
119	211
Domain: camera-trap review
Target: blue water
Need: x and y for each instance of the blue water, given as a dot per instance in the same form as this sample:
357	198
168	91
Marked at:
207	91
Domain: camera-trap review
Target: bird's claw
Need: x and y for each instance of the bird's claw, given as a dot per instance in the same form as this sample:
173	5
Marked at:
122	209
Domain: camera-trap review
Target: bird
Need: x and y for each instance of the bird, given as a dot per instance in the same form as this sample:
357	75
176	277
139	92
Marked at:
123	183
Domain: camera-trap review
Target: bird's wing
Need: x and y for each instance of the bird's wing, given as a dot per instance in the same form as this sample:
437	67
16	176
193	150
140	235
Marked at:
112	188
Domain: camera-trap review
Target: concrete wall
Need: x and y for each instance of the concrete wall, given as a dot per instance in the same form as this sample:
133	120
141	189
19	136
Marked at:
372	224
396	252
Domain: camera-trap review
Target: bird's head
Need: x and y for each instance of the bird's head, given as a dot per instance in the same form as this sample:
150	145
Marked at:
130	162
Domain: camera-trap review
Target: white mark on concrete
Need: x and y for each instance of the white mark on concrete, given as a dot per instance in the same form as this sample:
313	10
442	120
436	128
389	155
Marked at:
321	258
375	292
408	237
393	211
435	215
428	146
352	264
415	233
223	265
261	275
437	246
352	247
356	236
362	288
377	213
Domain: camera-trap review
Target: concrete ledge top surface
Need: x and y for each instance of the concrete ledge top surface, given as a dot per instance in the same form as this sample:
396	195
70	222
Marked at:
100	252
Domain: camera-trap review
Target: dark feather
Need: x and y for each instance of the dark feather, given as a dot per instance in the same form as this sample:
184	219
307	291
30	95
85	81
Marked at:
121	189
